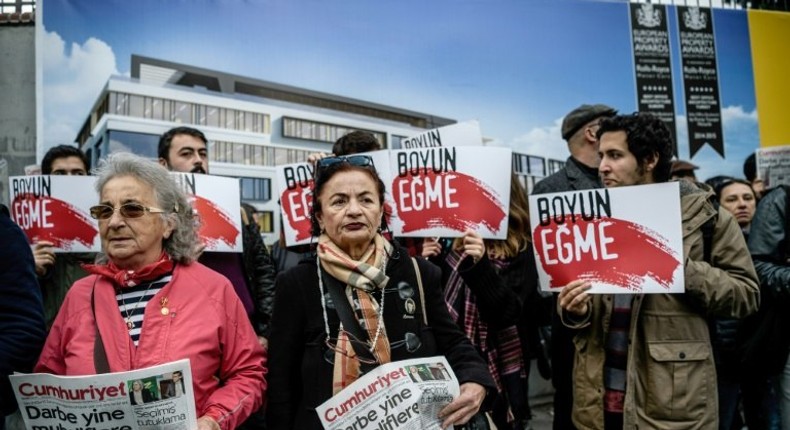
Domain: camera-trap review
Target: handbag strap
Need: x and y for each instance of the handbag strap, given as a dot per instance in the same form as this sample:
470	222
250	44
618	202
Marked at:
419	287
99	354
350	323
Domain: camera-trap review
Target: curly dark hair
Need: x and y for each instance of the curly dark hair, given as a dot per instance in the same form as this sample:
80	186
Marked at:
647	136
324	175
355	142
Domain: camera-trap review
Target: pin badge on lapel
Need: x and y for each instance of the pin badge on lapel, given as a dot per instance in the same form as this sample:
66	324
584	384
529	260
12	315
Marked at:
410	306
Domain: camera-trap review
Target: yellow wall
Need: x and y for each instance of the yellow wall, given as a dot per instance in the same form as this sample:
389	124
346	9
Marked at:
770	38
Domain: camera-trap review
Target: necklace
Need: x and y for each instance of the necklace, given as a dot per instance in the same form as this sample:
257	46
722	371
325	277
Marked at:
379	316
129	323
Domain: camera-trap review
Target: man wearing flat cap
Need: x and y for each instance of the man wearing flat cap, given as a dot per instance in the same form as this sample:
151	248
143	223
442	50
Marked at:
581	169
683	170
580	173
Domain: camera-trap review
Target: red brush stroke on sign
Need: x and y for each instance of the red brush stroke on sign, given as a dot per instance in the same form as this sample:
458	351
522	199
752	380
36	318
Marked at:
215	224
65	225
476	204
297	204
641	253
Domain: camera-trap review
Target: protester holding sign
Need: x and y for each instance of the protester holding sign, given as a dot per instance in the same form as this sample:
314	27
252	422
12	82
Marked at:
185	149
489	285
362	302
57	273
148	277
653	351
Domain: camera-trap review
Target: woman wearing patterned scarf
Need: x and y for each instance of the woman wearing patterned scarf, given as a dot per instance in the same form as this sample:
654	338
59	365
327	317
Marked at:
312	355
148	302
491	288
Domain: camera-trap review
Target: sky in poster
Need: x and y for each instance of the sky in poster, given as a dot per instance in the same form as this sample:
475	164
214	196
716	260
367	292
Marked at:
515	66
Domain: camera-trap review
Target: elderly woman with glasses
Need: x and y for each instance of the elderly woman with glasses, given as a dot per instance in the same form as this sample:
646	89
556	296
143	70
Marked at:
148	302
362	302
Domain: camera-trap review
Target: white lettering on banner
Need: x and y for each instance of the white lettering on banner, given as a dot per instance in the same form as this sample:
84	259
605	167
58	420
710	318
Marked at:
30	214
572	244
422	193
300	204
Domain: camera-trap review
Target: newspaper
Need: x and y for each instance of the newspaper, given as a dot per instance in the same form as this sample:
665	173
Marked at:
403	395
158	397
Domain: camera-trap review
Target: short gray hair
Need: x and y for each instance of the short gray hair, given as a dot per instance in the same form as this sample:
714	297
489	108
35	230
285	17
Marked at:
181	246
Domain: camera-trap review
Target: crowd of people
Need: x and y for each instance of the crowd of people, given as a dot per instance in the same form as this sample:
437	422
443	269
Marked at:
266	353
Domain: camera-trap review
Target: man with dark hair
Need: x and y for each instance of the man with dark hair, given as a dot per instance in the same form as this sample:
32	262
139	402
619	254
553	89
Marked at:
653	352
22	331
64	160
580	173
356	142
184	149
56	274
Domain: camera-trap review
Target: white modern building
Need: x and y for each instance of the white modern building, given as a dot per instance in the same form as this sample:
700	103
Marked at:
252	125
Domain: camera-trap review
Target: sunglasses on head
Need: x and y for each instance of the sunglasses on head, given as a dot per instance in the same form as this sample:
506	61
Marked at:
354	160
127	210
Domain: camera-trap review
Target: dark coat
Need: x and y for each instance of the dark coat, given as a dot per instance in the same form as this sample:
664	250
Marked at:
259	273
300	377
22	329
569	178
765	336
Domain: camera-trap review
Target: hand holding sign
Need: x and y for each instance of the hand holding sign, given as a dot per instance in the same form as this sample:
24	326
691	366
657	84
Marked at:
44	255
574	297
473	245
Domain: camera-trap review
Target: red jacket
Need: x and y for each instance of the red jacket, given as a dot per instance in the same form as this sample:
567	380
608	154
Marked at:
206	324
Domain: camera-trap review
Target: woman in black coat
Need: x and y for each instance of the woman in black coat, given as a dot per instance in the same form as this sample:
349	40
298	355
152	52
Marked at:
399	301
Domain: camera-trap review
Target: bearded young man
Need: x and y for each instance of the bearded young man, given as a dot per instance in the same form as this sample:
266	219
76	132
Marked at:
653	351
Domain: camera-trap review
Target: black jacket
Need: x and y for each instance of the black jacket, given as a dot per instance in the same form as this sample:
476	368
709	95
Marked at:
764	336
259	274
300	376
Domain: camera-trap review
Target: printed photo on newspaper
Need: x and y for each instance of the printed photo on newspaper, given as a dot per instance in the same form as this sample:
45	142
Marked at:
158	397
403	395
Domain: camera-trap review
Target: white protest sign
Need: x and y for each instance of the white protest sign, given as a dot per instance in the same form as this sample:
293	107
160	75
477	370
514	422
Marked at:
56	209
150	398
217	204
622	240
445	190
295	188
459	134
441	191
773	165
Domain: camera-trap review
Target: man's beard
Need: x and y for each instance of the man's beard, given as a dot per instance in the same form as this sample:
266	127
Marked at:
198	169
